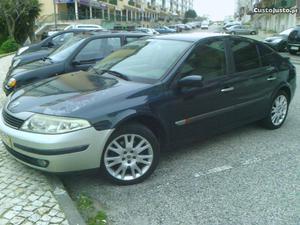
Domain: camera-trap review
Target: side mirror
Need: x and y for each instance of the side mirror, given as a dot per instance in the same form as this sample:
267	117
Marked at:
48	44
191	81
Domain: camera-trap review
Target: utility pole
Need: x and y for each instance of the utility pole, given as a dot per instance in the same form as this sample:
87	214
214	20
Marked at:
55	16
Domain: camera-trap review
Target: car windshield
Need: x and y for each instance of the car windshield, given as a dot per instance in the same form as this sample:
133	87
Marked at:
286	32
144	59
64	51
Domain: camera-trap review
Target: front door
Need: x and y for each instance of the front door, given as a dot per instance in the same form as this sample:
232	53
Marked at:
198	111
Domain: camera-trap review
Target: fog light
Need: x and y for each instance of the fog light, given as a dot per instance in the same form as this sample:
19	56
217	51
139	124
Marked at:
42	163
11	82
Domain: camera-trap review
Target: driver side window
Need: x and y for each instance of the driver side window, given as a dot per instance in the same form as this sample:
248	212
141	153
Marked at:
207	60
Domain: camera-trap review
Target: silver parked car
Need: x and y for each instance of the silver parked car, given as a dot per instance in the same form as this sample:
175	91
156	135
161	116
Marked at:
241	29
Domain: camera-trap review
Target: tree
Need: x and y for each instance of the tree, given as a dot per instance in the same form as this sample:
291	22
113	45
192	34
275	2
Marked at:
19	17
190	14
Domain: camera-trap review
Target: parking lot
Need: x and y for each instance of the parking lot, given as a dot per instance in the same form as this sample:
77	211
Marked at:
247	176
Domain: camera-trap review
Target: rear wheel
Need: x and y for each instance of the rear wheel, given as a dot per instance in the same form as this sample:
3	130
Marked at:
278	111
232	33
131	154
253	33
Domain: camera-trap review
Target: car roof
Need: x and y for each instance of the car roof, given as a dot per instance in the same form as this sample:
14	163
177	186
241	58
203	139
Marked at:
191	37
95	34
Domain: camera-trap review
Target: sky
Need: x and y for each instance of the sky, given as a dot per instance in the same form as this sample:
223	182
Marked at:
216	9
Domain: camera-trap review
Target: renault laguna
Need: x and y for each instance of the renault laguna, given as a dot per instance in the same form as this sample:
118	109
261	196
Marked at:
143	98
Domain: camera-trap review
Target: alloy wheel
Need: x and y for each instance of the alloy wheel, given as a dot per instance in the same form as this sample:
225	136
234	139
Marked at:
279	110
128	157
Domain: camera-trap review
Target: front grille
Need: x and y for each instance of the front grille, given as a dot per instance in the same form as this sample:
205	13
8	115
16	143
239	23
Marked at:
11	120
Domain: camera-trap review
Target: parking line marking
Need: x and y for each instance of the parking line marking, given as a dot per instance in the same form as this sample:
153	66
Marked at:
219	169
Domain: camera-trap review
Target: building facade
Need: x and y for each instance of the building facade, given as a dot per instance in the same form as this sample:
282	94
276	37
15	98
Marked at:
120	11
266	21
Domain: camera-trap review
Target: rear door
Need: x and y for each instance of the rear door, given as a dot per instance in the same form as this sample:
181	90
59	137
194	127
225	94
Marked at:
251	82
95	50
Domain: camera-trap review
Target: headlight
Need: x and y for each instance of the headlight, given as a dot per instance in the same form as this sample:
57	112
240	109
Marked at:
16	63
21	50
11	83
46	124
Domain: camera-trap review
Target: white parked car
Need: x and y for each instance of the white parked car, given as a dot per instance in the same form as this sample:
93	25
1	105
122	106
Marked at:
84	26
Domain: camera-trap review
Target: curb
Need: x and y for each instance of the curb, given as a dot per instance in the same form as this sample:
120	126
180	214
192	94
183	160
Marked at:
64	200
7	54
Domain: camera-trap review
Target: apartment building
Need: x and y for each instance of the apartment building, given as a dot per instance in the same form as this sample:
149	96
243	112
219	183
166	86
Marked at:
266	21
126	11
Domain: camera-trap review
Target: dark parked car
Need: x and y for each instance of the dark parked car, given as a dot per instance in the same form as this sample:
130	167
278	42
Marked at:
79	53
139	100
42	49
294	41
165	30
279	41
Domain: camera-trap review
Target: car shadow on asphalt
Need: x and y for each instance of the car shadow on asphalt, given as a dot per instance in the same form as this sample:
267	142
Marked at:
198	146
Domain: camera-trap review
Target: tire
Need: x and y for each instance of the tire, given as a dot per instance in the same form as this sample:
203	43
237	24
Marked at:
232	33
253	33
129	160
269	121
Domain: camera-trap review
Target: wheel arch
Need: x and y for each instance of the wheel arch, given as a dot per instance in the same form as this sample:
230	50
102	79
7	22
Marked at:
283	87
149	121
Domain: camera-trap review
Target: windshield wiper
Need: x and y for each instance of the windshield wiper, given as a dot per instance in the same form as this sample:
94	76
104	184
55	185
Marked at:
115	73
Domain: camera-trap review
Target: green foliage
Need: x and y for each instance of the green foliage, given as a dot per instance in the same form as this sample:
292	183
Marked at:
90	210
9	46
99	219
17	18
190	14
84	202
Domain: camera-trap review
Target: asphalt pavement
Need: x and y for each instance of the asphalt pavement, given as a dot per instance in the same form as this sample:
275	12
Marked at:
246	176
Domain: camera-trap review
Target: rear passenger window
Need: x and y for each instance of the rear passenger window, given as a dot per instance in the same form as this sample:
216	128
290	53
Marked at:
267	56
245	55
207	60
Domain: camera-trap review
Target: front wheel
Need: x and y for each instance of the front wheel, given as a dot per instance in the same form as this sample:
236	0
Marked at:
131	154
232	33
253	33
278	111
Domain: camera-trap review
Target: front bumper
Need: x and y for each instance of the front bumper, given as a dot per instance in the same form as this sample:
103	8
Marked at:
74	151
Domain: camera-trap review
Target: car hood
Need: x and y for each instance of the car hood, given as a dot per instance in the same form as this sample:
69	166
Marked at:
29	67
30	57
80	94
277	37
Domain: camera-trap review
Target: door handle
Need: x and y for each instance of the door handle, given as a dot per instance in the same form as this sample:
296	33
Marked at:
227	89
271	78
271	69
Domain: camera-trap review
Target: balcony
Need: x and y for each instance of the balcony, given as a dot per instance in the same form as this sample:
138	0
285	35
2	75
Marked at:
131	2
113	2
278	3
